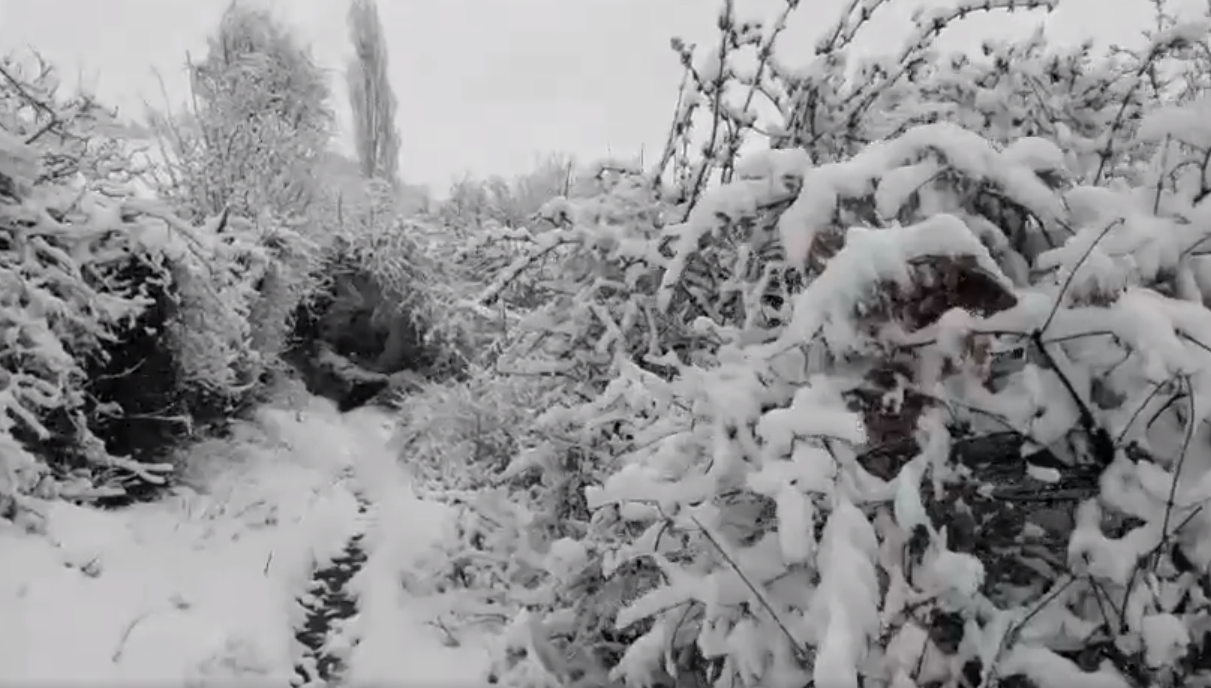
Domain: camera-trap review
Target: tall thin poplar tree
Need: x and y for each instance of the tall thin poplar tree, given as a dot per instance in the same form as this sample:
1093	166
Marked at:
370	94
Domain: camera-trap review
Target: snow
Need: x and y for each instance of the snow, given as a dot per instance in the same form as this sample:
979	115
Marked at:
1110	319
847	596
394	640
869	258
1166	639
200	588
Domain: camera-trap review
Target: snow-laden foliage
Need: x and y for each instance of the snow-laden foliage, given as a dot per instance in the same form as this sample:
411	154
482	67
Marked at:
474	203
889	372
915	396
257	120
104	287
250	143
399	273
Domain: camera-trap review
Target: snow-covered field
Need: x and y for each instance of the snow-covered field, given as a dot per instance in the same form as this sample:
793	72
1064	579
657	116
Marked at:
201	588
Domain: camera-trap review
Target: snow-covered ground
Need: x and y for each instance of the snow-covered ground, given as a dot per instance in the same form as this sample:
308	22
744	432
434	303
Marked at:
201	588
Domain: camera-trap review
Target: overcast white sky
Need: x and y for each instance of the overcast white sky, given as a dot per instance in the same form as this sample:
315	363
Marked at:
485	86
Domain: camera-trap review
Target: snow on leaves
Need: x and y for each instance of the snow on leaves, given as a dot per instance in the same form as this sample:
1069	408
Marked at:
82	258
917	396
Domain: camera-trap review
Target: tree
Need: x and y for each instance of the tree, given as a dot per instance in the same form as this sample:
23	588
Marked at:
258	119
250	145
370	94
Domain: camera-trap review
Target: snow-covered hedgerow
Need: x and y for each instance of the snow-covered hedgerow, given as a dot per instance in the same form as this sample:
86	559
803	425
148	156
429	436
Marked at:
115	312
917	400
387	293
250	143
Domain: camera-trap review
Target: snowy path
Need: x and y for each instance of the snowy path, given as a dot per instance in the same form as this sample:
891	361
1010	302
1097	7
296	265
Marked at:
329	604
393	635
201	588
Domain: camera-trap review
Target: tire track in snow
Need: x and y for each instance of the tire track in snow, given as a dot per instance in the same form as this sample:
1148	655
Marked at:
363	624
330	605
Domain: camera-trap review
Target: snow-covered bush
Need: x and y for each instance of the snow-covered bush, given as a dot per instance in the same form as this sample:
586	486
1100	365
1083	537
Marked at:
914	397
122	323
474	203
250	144
397	275
461	435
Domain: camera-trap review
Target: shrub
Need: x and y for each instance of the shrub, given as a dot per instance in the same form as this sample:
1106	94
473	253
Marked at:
910	398
104	289
251	145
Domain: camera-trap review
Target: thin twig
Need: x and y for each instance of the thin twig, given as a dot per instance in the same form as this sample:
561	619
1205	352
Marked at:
1191	422
800	651
130	627
1059	299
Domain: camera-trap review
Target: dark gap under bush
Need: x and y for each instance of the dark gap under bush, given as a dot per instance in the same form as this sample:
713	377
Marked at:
337	343
160	412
